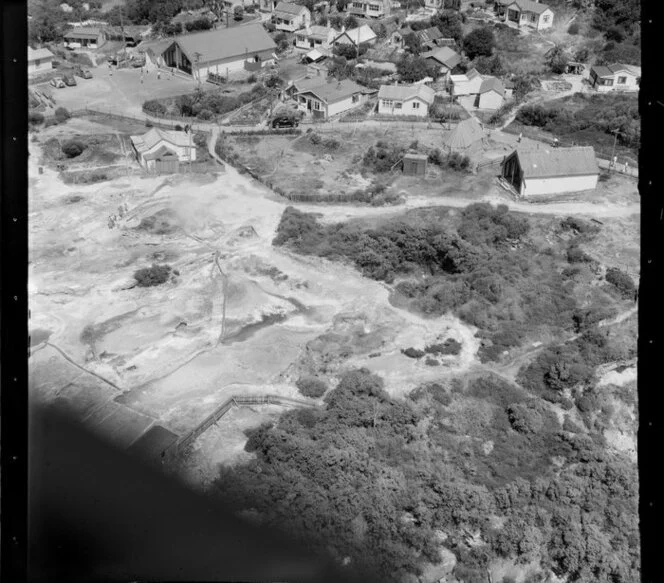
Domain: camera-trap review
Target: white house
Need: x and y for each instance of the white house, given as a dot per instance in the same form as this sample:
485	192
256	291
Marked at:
363	35
291	17
163	150
315	37
221	51
444	58
551	170
405	100
528	13
369	8
331	98
39	60
615	78
465	88
90	37
492	94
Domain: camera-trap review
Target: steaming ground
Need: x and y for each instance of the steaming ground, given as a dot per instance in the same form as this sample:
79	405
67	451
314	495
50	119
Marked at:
141	356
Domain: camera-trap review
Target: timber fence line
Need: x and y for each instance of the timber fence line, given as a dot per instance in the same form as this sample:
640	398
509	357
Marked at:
234	401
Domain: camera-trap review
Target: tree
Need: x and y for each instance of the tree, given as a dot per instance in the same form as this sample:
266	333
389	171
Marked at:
346	51
73	148
490	65
62	114
557	60
449	22
413	68
413	43
479	42
351	22
238	13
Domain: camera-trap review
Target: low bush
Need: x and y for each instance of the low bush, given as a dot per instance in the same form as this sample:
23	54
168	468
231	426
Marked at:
413	352
62	114
73	148
154	107
153	275
576	255
621	281
450	346
35	118
311	386
573	28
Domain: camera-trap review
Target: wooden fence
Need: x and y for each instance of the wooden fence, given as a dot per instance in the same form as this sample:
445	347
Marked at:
186	440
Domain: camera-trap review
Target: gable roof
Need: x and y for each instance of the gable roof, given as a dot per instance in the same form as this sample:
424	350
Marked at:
331	92
429	34
358	35
465	134
34	54
405	92
316	31
492	84
153	137
472	74
530	6
555	162
308	82
285	9
444	55
224	43
610	70
83	32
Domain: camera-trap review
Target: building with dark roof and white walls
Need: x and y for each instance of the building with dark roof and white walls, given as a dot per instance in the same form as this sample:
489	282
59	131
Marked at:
548	170
291	17
405	100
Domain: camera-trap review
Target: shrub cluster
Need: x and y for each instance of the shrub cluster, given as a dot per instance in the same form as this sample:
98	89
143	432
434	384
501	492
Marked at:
623	282
311	386
153	275
73	148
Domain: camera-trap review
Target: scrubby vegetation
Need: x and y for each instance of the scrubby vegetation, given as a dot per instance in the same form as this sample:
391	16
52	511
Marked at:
73	148
582	116
373	479
311	386
153	275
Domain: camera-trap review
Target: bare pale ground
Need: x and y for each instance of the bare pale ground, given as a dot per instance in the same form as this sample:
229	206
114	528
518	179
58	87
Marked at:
158	355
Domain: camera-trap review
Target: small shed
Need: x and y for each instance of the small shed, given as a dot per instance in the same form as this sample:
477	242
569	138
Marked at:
414	164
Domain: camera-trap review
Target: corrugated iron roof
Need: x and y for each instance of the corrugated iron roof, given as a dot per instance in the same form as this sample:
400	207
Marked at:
359	35
429	34
492	84
83	32
153	137
405	92
558	162
43	53
444	55
530	6
335	91
288	9
224	43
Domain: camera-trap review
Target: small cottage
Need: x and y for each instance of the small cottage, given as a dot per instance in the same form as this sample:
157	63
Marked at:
39	60
465	88
369	8
361	36
491	95
84	37
444	58
551	170
415	164
405	100
315	37
291	17
331	98
527	13
163	150
615	78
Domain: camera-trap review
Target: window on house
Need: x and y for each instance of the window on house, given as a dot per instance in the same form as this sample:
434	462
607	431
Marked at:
374	7
355	98
397	105
607	82
387	103
622	80
317	106
37	62
318	42
546	18
533	18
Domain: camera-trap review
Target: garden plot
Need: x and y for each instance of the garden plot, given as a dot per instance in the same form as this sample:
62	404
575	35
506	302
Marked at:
323	162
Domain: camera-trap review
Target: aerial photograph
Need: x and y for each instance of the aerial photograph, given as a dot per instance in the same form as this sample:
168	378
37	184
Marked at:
364	271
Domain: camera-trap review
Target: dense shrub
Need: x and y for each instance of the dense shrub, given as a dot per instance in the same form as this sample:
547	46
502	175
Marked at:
450	346
413	352
576	255
573	28
311	386
154	107
483	224
621	281
153	275
479	42
73	148
62	114
383	156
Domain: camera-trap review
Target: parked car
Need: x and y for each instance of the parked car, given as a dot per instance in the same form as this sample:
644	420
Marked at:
58	82
69	80
83	73
285	120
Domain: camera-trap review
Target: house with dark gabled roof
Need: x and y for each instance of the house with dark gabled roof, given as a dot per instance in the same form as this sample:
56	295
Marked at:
91	37
331	97
549	170
428	37
617	77
222	51
492	94
445	58
291	17
315	37
526	13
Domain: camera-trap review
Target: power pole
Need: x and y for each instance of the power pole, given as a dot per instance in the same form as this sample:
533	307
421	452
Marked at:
613	151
